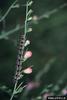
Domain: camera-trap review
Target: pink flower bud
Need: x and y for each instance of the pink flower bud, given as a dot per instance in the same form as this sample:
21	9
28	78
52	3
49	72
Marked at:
28	70
27	54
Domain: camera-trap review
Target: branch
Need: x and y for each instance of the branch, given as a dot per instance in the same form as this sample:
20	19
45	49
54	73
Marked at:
5	15
45	15
18	68
5	34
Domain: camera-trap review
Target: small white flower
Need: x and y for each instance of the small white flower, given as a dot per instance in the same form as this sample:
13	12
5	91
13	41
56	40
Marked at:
29	30
27	70
27	43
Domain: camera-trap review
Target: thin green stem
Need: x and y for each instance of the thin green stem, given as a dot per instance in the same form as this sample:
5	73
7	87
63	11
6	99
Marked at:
15	86
12	31
26	20
25	31
5	15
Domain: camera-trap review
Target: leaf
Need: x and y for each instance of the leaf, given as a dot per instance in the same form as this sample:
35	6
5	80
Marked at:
19	90
5	89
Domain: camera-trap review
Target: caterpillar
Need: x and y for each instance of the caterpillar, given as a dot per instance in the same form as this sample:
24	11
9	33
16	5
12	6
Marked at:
20	56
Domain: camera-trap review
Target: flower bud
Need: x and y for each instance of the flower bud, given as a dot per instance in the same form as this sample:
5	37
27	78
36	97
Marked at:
29	30
29	12
27	43
29	19
27	55
30	3
27	70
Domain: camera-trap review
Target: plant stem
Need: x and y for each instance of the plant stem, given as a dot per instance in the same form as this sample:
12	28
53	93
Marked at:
25	31
14	90
5	15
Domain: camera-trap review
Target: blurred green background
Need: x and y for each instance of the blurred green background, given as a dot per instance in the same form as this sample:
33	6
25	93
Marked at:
48	41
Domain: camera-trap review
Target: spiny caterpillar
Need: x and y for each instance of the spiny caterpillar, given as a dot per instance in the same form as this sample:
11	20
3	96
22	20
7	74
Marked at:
22	42
20	56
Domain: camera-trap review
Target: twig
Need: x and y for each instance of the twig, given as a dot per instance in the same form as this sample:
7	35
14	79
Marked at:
14	90
5	34
25	31
45	69
47	14
5	15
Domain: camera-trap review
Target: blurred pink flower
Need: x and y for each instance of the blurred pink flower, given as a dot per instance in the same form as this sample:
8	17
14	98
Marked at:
46	95
64	92
27	54
32	85
28	70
